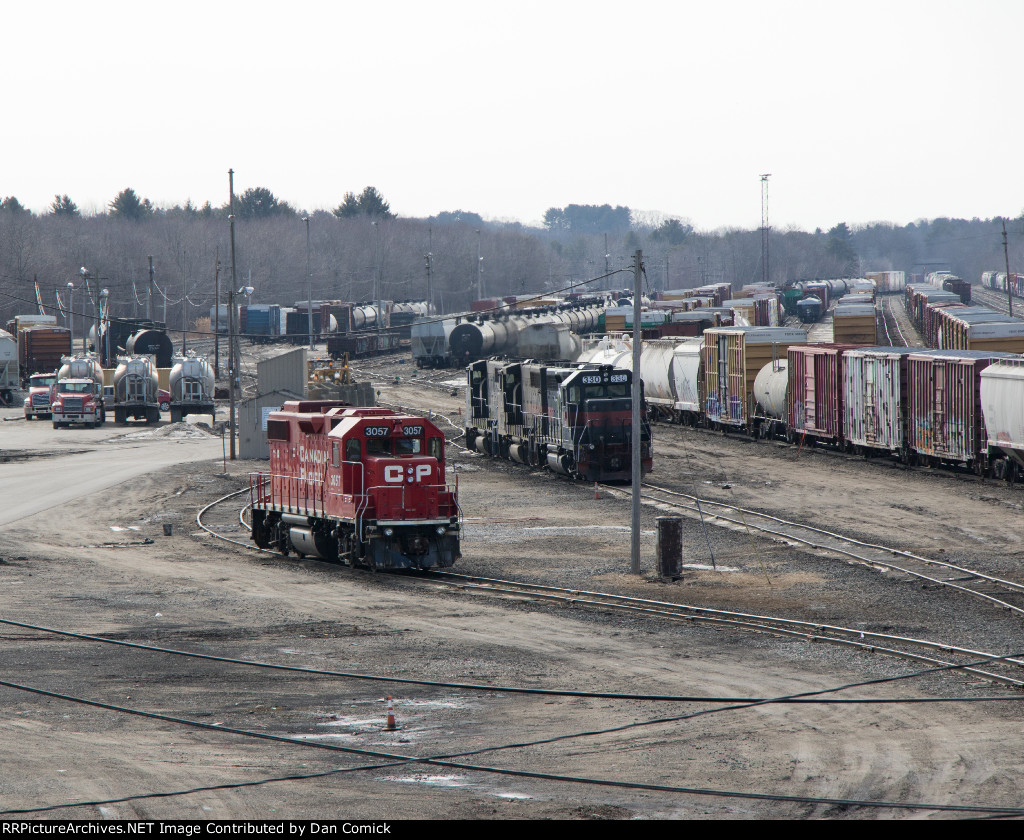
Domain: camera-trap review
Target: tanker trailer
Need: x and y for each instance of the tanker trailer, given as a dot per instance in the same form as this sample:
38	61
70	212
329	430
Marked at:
191	386
135	391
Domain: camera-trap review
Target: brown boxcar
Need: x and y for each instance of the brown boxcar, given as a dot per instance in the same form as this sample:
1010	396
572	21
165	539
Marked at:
944	419
814	396
40	349
732	358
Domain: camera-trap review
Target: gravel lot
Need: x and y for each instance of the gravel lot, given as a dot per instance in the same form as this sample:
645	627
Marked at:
98	562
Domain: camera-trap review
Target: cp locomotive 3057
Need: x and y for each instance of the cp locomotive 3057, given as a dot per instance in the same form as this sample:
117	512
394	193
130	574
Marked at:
365	486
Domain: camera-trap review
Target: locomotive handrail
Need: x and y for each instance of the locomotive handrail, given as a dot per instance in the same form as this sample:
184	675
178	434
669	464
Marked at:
296	492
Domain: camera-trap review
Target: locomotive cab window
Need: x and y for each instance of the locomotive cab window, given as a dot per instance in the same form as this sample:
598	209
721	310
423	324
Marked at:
335	454
277	430
378	446
352	452
407	446
435	448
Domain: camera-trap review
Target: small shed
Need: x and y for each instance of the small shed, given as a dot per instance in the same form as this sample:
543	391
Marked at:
286	371
252	422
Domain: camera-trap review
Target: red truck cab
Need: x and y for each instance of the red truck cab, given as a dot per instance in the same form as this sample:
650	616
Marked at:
77	402
37	403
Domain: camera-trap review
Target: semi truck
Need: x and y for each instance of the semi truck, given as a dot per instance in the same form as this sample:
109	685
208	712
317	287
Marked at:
77	398
136	390
191	385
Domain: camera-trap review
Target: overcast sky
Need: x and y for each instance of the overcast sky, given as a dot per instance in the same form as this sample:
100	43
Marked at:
867	111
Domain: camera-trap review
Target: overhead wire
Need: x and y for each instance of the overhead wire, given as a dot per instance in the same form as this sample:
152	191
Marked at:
444	760
389	678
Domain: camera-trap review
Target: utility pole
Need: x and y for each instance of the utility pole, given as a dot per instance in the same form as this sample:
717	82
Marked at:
216	315
149	300
635	472
232	354
309	290
184	303
607	280
479	270
1006	255
428	258
765	274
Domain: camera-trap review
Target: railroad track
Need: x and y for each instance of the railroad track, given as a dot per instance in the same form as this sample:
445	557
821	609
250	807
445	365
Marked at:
853	550
895	336
1008	671
995	300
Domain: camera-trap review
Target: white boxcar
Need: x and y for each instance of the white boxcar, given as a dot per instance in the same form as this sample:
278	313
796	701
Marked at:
873	381
1002	399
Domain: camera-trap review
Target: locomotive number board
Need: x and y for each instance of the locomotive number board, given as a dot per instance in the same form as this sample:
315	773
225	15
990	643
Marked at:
384	431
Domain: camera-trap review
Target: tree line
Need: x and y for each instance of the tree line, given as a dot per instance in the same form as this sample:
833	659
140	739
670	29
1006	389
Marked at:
361	243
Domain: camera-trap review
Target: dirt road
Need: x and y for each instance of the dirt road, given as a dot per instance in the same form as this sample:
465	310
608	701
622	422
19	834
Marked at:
99	563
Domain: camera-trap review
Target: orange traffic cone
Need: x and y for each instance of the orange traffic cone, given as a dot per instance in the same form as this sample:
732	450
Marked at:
597	493
391	715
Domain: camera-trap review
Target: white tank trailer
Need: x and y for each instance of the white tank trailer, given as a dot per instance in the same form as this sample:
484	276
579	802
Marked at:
81	367
135	390
191	385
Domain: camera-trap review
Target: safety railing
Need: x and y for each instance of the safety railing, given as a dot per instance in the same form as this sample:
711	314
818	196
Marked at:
291	493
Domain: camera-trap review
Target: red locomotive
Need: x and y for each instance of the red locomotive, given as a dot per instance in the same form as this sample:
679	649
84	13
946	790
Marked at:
573	419
365	486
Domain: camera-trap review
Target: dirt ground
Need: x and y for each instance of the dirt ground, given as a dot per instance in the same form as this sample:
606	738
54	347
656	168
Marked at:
99	563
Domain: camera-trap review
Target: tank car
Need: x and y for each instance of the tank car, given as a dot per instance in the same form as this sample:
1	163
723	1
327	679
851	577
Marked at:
364	486
575	420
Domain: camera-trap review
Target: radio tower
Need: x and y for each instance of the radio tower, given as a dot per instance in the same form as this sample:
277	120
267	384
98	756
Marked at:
764	226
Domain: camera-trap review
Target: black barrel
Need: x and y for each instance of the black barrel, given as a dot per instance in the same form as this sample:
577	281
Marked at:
670	546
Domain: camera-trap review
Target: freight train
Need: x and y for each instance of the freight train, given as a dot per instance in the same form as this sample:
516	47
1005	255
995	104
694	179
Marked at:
363	486
939	407
575	420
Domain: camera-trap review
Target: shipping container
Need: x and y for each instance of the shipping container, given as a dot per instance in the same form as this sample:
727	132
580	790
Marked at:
944	418
874	393
732	357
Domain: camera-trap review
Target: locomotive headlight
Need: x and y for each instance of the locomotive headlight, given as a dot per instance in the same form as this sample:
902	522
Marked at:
440	530
389	532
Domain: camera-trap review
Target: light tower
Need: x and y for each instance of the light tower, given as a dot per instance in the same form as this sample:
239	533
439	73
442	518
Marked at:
764	226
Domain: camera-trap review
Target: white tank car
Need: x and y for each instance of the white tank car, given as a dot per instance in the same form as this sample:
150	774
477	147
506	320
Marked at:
363	317
549	342
669	368
770	387
191	383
